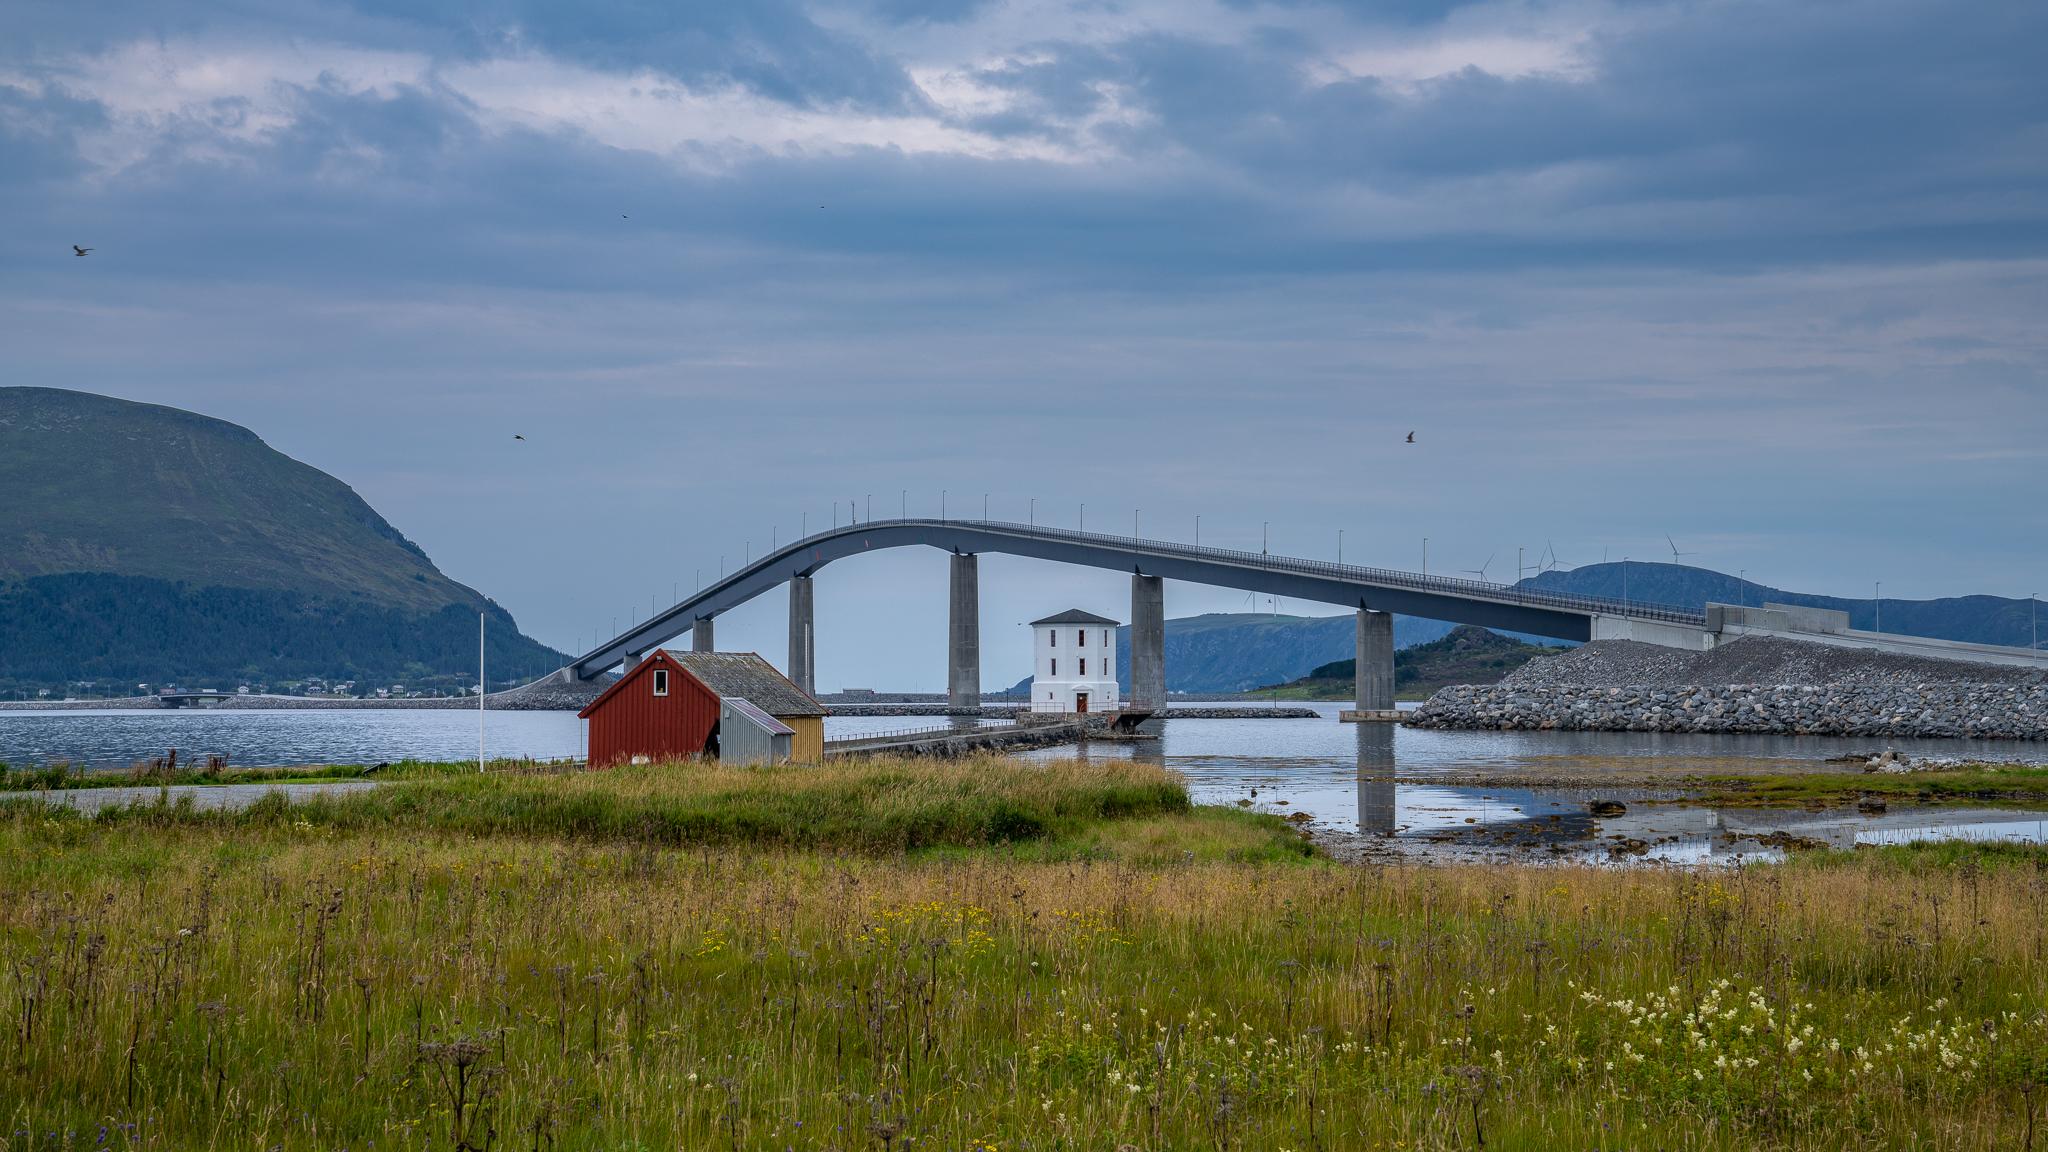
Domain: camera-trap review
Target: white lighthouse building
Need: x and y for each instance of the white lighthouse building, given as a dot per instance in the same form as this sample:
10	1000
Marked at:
1073	663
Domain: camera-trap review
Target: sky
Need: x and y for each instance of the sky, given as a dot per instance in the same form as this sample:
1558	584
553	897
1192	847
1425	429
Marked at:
1768	279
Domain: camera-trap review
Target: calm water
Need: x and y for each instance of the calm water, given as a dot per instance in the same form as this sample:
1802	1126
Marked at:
1337	773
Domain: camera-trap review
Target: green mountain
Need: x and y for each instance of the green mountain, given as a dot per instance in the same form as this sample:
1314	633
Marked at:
1975	619
145	543
1469	655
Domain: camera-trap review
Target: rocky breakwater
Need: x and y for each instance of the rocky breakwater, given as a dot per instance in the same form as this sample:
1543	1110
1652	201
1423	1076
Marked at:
1753	685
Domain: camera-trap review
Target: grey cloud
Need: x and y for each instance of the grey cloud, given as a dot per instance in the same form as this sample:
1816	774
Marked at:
1744	224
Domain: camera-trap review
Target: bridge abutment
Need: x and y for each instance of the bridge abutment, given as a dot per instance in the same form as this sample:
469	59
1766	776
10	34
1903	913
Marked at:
963	634
1148	643
700	635
803	652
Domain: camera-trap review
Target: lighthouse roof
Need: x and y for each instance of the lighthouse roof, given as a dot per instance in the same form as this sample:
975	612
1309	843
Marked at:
1075	616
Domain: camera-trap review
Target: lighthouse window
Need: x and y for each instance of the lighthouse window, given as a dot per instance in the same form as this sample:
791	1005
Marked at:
1084	665
1081	638
661	681
1054	636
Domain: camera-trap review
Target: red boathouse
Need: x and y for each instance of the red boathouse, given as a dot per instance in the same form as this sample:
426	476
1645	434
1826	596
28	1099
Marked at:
668	707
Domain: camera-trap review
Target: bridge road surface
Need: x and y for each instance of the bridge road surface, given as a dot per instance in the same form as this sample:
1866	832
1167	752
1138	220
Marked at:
1478	602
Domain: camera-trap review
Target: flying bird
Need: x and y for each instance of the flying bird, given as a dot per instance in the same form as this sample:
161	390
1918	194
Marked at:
517	436
1411	437
77	251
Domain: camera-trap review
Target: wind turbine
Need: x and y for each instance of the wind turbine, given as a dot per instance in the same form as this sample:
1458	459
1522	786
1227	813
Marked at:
1480	571
1675	553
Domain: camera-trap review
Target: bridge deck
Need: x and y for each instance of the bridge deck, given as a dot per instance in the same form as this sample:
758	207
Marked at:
1478	602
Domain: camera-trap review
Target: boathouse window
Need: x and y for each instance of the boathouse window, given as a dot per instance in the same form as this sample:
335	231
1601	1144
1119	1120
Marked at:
661	681
1084	665
1054	637
1055	665
1081	638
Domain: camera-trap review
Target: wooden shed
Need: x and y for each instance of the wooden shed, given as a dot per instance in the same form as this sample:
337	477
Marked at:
670	706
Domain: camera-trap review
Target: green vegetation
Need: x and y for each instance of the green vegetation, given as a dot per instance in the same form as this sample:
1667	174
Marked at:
143	543
1967	784
1468	655
866	805
668	958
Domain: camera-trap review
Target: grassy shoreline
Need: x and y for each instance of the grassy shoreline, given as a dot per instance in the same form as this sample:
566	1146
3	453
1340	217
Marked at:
1965	784
460	964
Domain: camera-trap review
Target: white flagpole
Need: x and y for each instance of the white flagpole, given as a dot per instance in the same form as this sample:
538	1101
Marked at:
481	686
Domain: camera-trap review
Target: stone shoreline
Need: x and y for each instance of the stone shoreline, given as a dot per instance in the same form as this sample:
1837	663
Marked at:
1817	692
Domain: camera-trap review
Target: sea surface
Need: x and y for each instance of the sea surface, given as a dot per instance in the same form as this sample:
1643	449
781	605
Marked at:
1387	787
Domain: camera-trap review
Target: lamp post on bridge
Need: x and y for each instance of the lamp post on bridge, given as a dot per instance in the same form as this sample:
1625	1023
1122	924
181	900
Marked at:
1084	518
903	504
1877	602
1198	529
942	505
1340	547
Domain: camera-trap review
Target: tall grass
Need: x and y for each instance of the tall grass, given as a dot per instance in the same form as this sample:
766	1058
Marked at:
326	984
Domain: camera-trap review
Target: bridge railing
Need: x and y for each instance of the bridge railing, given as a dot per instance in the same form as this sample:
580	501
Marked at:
1419	582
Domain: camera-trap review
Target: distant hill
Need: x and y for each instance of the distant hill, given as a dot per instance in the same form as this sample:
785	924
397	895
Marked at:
146	543
1468	655
1976	619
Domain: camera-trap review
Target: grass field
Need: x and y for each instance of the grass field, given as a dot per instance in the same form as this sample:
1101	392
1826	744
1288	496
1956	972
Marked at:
870	957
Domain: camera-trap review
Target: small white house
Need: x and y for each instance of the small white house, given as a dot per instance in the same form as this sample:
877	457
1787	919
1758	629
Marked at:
1073	665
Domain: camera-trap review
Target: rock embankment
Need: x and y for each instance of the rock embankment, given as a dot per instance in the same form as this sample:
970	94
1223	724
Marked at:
1753	685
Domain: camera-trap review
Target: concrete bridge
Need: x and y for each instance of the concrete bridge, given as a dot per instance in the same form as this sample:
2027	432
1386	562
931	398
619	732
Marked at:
1374	593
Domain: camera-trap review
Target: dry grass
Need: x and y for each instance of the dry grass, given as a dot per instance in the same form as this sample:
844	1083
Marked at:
298	985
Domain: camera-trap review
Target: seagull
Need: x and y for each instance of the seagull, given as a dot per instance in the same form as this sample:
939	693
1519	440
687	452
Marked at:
77	251
1411	437
517	436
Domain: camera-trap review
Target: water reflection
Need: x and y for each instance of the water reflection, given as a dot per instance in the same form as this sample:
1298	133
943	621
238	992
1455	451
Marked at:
1376	791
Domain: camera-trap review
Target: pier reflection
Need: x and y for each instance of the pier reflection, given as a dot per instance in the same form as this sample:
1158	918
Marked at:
1375	779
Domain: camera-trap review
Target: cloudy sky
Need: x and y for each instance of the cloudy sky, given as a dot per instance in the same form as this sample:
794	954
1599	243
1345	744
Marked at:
1769	278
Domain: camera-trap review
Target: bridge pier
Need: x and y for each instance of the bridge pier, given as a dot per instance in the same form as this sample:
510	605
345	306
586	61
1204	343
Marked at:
963	635
803	652
700	635
1373	671
1148	644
